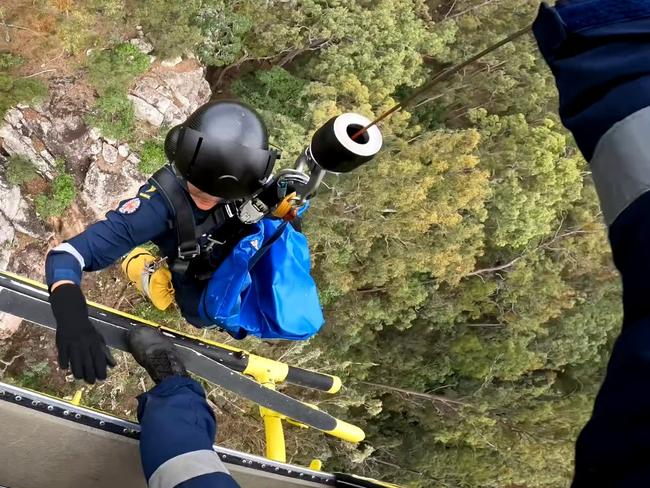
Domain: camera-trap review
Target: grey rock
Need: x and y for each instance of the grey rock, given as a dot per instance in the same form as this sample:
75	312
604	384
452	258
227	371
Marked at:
133	159
54	128
150	92
17	139
123	150
29	261
95	148
147	112
15	209
142	44
109	153
103	190
94	134
173	92
170	63
7	234
9	324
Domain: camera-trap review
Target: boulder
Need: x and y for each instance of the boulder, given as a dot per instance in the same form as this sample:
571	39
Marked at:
142	44
29	260
167	95
102	190
8	325
171	62
109	153
15	209
145	111
7	235
18	137
123	151
54	128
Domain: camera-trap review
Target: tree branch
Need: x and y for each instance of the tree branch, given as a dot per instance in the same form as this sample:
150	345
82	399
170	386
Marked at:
371	290
39	73
545	245
496	268
18	27
425	396
471	9
313	46
279	59
484	325
7	364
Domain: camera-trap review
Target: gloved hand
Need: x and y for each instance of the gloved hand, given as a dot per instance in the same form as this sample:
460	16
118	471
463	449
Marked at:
80	346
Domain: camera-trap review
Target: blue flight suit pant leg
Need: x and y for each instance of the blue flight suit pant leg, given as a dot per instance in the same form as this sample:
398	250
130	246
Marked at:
177	434
599	52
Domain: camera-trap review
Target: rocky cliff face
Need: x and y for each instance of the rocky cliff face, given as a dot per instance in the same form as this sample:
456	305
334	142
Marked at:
169	92
106	170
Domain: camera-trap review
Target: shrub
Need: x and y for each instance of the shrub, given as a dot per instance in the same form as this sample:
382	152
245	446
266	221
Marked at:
113	70
20	170
60	196
36	377
152	156
223	33
170	25
275	90
9	61
15	89
113	115
77	31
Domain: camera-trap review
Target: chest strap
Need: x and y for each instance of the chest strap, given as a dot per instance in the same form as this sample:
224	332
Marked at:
223	218
167	183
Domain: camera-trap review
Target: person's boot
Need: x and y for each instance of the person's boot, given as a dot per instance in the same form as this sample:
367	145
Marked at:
155	353
154	282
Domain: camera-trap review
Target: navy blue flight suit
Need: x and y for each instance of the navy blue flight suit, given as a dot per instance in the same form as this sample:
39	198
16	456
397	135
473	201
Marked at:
177	433
599	52
136	221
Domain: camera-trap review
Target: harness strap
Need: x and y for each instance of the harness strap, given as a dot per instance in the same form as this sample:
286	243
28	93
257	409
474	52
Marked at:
221	215
166	181
223	220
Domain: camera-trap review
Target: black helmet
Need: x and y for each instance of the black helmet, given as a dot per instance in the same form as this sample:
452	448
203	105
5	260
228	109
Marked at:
222	149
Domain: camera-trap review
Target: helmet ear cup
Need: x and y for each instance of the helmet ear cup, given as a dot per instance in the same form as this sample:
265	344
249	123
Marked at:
171	142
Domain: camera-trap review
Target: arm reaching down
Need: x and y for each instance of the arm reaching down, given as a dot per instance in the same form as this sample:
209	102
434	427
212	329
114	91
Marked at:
80	346
599	52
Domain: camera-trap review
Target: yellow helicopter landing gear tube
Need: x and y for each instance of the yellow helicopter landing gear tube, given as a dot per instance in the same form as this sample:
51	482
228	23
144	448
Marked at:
274	433
273	429
150	276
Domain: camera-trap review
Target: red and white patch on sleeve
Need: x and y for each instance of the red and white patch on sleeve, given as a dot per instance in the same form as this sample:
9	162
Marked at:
130	206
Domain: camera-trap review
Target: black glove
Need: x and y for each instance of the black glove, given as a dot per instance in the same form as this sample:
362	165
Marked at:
80	345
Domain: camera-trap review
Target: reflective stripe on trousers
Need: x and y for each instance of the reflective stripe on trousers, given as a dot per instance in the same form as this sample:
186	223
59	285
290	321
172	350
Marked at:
186	466
621	164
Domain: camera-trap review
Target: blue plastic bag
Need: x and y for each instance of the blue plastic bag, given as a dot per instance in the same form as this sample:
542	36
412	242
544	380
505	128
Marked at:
276	299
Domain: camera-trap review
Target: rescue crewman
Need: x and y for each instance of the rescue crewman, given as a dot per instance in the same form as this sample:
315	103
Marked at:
599	52
216	265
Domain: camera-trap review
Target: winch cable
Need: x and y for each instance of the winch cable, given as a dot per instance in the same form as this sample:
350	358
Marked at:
442	76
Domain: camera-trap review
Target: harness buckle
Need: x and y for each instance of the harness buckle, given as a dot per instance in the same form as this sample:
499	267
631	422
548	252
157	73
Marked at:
186	255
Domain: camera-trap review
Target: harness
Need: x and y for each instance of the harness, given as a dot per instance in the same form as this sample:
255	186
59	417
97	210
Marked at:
196	242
